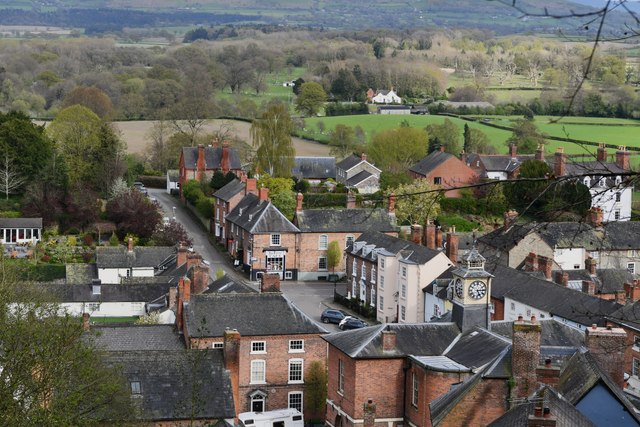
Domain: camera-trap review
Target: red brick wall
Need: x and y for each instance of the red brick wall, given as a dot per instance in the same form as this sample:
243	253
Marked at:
498	305
480	406
277	366
263	241
309	252
453	173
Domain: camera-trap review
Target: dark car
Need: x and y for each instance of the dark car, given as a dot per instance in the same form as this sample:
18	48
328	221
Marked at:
331	315
352	323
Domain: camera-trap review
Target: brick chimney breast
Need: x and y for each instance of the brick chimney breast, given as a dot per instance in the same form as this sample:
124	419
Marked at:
545	266
588	287
263	195
453	242
416	234
351	200
560	166
590	265
270	282
201	163
513	150
391	207
562	278
623	158
602	153
389	339
181	256
608	345
299	199
225	163
430	235
251	187
525	356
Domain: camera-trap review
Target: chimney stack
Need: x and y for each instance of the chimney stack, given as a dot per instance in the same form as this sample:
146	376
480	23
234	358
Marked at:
531	263
86	322
513	150
541	417
263	195
231	356
251	186
201	163
548	374
416	234
430	234
562	278
621	297
590	265
595	217
525	356
453	242
363	157
438	238
184	296
173	297
540	153
389	340
632	291
560	164
510	218
442	148
130	244
299	198
225	163
623	158
391	207
270	282
200	278
181	255
608	346
588	287
545	266
193	259
602	153
351	200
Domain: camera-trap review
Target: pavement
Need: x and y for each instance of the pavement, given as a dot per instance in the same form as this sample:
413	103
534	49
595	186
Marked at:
310	297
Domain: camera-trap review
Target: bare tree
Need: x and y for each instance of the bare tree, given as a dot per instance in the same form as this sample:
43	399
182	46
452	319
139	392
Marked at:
10	179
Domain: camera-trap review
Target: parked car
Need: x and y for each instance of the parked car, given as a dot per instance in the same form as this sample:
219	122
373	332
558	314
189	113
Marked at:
352	323
331	315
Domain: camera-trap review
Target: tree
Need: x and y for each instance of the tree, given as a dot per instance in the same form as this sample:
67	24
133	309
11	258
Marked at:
529	196
334	255
526	136
92	98
342	141
170	234
281	193
134	213
396	150
311	99
476	141
447	134
416	202
345	86
11	180
315	395
51	375
297	85
271	133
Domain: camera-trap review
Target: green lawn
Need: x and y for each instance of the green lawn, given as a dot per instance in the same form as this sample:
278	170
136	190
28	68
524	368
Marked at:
107	320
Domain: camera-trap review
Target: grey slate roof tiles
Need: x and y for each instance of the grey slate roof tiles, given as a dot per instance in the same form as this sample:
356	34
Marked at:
208	315
229	190
430	162
344	220
226	285
259	217
20	222
141	256
349	162
307	167
212	157
358	178
108	292
477	348
416	253
136	338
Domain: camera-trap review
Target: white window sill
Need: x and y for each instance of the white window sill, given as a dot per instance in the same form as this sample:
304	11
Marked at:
296	351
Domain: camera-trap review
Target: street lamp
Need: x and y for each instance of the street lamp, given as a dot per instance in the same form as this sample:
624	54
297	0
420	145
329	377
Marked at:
174	212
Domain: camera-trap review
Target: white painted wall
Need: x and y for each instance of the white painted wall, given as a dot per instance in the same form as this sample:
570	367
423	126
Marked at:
567	259
105	309
500	176
113	275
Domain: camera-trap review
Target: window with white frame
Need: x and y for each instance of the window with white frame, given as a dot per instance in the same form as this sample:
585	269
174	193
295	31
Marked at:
373	296
363	270
594	254
323	241
296	346
381	282
295	400
404	271
258	347
403	312
258	369
616	214
381	302
354	268
618	196
295	370
635	371
348	241
636	343
353	288
322	263
381	263
340	376
403	289
631	267
373	274
275	240
414	390
513	306
363	291
136	388
217	345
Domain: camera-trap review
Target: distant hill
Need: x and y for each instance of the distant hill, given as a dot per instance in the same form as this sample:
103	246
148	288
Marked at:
113	15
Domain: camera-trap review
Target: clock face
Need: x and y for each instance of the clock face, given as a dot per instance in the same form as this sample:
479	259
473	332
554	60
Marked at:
458	288
477	289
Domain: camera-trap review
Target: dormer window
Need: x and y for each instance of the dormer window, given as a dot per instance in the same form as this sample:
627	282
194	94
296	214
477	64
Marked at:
587	181
240	211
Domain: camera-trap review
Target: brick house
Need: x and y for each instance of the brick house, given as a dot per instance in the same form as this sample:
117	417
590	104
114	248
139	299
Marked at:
319	227
444	170
200	163
358	172
261	238
268	343
500	166
225	200
389	273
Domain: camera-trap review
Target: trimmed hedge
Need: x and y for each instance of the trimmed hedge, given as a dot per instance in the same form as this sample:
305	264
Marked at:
153	181
325	200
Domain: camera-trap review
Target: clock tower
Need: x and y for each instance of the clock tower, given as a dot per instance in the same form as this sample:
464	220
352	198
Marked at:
471	294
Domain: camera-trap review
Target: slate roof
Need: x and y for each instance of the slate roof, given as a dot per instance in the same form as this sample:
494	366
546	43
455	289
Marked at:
477	348
430	162
141	256
226	285
359	177
65	293
212	157
136	338
208	315
229	190
80	273
344	220
259	217
550	297
607	280
178	384
565	413
419	339
411	251
628	315
349	162
591	167
554	333
307	167
498	162
20	222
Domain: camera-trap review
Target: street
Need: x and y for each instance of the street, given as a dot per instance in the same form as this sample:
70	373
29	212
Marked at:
310	297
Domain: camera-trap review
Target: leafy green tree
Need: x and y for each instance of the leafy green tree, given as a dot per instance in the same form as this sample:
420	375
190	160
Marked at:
281	193
530	197
271	133
170	234
447	134
396	150
334	255
345	86
416	202
92	98
476	141
315	395
311	99
297	84
134	213
50	374
526	136
342	141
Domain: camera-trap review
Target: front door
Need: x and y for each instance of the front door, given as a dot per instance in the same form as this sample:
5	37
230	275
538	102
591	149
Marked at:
257	404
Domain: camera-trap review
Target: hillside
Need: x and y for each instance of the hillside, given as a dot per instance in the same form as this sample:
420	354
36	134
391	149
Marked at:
114	15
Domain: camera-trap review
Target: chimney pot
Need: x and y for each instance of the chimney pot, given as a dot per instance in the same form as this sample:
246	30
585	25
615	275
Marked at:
263	195
560	163
86	322
299	199
546	413
130	244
